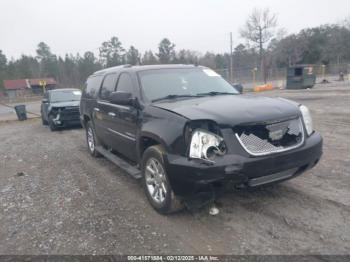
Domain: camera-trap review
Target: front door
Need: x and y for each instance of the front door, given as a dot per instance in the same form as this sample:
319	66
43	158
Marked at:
123	121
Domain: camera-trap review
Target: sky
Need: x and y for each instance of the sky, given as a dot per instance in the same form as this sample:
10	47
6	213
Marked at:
72	26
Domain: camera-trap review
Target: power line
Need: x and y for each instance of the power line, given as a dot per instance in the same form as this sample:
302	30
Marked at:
231	58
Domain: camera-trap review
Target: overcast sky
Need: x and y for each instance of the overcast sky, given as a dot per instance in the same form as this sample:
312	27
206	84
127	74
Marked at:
71	26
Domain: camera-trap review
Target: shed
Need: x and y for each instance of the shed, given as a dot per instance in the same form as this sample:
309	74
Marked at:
18	87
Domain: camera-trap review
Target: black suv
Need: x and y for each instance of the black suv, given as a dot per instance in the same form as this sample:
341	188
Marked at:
60	108
184	130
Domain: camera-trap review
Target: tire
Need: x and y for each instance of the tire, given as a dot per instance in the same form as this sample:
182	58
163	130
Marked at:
156	183
44	122
52	125
91	140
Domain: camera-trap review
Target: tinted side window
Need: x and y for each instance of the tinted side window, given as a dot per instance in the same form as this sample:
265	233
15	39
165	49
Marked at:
125	83
92	86
108	86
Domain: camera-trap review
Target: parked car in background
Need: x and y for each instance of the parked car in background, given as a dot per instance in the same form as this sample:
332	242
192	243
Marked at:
184	130
60	108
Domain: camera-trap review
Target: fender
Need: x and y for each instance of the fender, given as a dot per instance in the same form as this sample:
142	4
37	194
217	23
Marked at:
164	127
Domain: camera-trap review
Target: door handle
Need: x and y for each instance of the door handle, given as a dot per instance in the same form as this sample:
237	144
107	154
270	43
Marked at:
111	114
96	109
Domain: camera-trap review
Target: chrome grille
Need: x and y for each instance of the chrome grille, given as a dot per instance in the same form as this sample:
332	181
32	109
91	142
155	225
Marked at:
272	138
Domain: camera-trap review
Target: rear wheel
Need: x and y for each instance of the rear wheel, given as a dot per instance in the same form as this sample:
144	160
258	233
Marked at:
156	183
91	140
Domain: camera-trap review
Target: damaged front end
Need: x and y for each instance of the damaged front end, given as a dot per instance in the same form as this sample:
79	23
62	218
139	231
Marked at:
63	116
242	156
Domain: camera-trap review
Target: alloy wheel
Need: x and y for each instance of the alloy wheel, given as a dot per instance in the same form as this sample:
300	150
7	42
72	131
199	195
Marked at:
156	180
90	139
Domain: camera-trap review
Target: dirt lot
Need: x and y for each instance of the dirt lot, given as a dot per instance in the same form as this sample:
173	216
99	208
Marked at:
56	199
8	113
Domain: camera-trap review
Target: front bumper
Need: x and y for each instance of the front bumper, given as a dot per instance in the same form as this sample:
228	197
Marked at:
67	120
189	176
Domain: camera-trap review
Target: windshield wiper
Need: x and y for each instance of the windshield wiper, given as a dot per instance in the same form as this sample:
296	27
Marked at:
172	97
215	93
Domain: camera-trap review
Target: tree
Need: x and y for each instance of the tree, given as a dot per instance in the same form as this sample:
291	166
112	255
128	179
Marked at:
70	73
3	65
166	52
289	50
3	61
27	67
186	57
149	58
87	65
43	51
112	53
259	30
346	23
208	60
47	60
337	45
244	57
133	56
222	61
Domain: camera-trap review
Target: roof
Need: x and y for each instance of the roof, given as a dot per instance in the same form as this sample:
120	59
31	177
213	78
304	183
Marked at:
26	83
35	81
141	68
15	84
168	66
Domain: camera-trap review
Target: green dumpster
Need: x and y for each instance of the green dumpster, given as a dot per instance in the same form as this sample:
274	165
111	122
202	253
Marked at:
300	77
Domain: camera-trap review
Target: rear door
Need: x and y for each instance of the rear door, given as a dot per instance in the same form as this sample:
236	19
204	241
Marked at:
88	102
123	120
103	109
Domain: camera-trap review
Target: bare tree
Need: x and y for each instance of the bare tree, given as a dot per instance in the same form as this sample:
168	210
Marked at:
259	30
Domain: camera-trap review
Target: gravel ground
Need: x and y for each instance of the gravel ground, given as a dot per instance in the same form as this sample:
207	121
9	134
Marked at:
56	199
8	113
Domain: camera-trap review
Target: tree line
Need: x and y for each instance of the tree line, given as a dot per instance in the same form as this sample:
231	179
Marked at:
265	47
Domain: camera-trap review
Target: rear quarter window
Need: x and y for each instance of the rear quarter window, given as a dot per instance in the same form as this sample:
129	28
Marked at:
93	86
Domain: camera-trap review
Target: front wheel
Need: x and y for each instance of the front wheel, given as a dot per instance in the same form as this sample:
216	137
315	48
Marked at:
156	183
44	122
52	124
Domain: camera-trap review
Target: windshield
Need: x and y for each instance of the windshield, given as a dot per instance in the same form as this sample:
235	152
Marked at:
64	96
172	83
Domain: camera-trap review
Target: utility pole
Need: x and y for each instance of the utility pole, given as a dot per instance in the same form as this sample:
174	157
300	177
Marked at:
231	58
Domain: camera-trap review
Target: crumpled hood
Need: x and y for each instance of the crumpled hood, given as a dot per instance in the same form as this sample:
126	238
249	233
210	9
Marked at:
233	110
65	104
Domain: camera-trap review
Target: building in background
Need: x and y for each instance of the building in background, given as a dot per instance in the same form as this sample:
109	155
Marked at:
21	87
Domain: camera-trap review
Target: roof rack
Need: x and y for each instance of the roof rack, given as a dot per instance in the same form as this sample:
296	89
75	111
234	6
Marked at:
105	70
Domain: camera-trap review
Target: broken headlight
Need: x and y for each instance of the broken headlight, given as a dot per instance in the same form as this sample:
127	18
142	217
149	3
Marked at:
206	145
307	119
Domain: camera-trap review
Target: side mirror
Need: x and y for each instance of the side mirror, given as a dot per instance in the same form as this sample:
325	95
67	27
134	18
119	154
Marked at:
121	98
239	88
44	101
